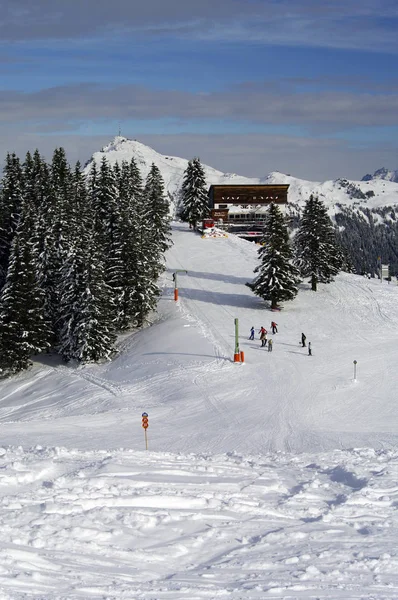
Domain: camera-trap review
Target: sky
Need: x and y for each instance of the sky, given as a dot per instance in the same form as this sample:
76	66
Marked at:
272	478
249	86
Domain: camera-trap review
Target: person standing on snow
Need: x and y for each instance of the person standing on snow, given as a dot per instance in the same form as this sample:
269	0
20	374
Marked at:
309	349
270	343
263	337
251	337
303	338
274	327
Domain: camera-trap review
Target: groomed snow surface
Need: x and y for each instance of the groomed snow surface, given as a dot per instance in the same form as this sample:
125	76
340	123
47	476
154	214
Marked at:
276	478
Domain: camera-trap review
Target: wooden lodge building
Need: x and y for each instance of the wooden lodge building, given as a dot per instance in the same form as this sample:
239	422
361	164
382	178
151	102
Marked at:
240	208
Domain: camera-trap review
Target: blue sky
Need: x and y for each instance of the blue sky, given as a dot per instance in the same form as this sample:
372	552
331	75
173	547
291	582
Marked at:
300	86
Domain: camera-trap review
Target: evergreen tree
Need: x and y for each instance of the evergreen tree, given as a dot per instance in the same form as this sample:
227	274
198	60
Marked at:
145	291
109	233
88	332
56	228
194	193
86	309
24	329
10	208
277	278
317	253
129	186
157	221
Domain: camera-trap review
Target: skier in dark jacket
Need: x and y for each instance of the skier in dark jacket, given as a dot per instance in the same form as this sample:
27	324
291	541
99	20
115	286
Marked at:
303	338
309	349
251	337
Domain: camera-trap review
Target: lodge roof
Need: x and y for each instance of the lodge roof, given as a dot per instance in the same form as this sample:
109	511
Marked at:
281	186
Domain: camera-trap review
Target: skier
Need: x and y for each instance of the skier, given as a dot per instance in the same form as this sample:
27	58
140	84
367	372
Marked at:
303	338
274	327
251	334
263	337
270	345
309	349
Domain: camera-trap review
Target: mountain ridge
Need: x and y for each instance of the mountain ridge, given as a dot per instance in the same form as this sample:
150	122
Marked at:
374	192
382	173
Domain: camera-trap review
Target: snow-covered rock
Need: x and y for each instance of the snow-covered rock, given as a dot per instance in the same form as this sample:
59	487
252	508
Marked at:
384	174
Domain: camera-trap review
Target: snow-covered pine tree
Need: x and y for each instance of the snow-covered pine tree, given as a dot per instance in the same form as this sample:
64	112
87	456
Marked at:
145	291
157	219
277	277
86	308
108	228
129	187
194	193
317	254
10	208
24	328
37	186
56	231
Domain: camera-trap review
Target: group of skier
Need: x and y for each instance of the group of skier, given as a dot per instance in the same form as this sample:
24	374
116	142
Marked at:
263	335
274	328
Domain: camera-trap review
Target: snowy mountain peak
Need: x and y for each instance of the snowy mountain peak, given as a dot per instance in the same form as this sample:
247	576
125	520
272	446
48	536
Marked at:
383	173
377	190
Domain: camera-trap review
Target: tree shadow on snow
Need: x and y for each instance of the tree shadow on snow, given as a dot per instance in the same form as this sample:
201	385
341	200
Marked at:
215	277
235	300
188	354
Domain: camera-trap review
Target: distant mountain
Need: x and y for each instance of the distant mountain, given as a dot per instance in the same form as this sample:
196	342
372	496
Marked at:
365	212
373	193
382	173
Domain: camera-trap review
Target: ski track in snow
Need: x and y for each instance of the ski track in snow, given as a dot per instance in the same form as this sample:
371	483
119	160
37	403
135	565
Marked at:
125	524
257	483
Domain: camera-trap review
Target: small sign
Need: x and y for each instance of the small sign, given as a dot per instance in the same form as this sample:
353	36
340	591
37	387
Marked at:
145	420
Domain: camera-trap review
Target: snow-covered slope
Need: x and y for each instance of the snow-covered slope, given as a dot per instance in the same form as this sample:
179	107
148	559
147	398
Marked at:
372	193
276	478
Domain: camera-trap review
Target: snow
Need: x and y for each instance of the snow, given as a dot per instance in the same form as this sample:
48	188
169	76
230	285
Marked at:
172	169
276	478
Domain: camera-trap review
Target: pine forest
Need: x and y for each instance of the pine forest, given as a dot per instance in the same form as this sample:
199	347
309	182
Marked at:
80	256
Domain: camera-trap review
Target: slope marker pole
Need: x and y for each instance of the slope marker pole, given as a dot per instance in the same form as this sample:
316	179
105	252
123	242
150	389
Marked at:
237	356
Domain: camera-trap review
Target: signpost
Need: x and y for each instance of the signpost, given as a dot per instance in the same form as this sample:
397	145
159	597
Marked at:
145	426
175	282
385	272
355	369
237	356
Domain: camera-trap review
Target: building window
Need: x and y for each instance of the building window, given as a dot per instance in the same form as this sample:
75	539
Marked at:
223	206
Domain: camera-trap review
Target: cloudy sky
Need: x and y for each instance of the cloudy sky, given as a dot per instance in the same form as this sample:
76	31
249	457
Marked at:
306	87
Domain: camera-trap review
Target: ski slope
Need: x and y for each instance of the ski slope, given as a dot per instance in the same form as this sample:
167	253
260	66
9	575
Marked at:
181	371
276	478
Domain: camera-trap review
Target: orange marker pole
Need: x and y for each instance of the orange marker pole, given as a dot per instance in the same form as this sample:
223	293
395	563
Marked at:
145	426
237	356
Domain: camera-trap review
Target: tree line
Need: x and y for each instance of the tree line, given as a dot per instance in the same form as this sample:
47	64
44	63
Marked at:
80	256
368	234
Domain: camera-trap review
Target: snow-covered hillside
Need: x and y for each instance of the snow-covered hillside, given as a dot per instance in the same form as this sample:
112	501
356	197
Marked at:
276	478
372	193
